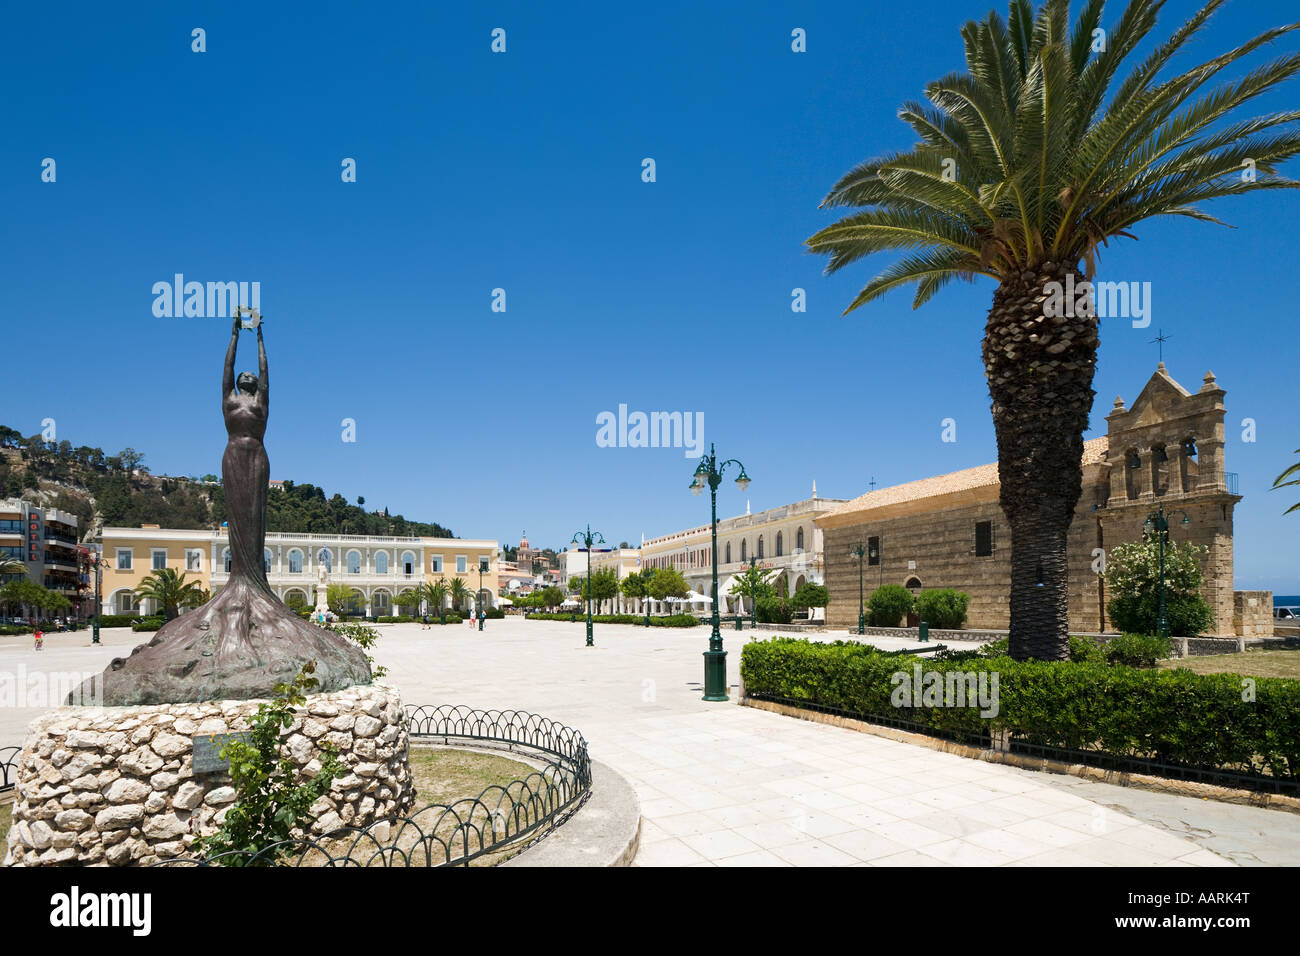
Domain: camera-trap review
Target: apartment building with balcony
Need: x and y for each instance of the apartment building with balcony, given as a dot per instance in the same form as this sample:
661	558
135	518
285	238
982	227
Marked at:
46	540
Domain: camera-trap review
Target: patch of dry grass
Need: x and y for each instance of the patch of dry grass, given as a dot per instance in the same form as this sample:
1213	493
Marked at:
1251	663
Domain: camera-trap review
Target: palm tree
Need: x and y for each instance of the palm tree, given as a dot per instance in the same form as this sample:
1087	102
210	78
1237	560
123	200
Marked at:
10	566
1289	477
410	597
1027	162
436	595
170	591
459	592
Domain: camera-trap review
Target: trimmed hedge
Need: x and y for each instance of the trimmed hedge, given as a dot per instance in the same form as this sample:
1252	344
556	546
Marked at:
117	620
15	629
888	605
1173	716
394	619
670	620
943	608
147	624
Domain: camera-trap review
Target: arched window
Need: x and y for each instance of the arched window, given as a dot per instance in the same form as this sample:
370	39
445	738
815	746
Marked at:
225	557
381	601
408	562
266	560
744	550
798	540
354	562
125	602
728	561
295	561
780	544
760	547
326	557
381	566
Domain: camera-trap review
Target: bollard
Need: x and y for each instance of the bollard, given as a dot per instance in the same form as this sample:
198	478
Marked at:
924	636
740	623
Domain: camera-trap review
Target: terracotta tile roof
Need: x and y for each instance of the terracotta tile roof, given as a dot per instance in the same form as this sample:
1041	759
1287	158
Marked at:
978	477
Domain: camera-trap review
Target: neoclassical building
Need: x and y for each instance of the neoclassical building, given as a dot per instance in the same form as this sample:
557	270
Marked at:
786	541
949	531
377	567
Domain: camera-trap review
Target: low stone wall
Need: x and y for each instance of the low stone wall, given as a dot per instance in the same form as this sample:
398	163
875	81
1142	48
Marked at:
116	786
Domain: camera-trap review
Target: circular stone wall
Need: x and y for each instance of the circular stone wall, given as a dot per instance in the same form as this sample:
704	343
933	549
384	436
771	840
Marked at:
116	785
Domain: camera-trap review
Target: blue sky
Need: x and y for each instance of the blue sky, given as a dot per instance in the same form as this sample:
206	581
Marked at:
522	171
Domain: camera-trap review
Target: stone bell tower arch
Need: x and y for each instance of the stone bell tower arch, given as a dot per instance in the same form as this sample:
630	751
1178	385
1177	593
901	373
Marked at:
1167	449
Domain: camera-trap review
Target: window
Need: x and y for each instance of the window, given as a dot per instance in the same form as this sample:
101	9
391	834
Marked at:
381	563
295	561
193	559
157	559
326	558
461	563
760	547
126	603
226	559
780	544
728	561
983	539
354	562
435	563
266	560
873	551
484	565
408	563
124	558
744	550
798	540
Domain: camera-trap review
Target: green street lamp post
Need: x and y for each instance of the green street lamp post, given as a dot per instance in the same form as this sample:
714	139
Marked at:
1159	521
586	540
859	551
99	579
715	658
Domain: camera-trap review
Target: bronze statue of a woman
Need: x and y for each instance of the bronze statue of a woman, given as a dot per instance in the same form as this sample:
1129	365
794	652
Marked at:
244	641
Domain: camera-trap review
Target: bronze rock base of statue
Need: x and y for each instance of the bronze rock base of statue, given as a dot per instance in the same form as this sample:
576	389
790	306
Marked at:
237	646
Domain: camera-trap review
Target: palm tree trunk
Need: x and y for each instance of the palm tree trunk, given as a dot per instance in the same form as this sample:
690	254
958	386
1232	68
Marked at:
1040	369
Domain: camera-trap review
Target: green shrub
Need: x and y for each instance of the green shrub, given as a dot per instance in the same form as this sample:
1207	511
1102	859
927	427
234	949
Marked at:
394	619
270	802
494	614
943	608
450	617
1174	716
999	648
147	624
1083	650
670	620
117	620
1137	650
889	605
774	610
1187	614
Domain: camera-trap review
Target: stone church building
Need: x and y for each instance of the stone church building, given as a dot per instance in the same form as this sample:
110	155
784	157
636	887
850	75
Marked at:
949	531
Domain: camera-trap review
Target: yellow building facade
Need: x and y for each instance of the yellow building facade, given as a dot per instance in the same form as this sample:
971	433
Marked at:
377	568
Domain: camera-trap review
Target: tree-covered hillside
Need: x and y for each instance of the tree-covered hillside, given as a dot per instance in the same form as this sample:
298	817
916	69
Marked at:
118	490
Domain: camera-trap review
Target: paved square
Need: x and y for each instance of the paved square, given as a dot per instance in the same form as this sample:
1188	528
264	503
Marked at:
721	784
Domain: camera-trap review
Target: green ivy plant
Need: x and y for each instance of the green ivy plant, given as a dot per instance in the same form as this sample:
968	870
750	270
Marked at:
270	802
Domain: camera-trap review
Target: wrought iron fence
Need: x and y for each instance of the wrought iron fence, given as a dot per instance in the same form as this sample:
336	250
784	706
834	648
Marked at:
8	767
454	834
